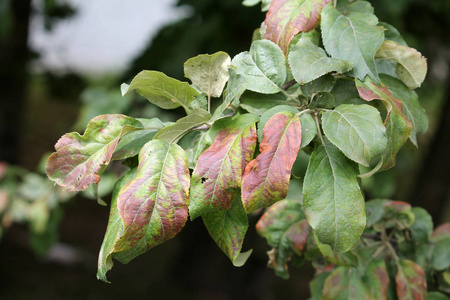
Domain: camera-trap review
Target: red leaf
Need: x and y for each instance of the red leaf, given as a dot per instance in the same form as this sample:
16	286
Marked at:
286	18
411	281
440	233
266	178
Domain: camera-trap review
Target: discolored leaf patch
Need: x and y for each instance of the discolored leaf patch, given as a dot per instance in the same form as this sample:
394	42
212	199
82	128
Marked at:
79	159
410	280
266	178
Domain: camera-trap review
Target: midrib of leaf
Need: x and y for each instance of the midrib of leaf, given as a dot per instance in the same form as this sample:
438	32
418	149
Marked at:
172	97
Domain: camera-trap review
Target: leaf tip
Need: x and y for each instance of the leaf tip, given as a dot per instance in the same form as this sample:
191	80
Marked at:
242	258
124	88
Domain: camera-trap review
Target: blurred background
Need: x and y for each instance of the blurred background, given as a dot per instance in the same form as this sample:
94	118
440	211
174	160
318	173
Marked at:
62	62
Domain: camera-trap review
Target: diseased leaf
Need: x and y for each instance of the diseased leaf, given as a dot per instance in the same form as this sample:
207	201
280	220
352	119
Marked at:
352	39
161	90
357	130
376	279
153	206
269	114
345	283
266	178
114	230
286	18
441	232
309	62
398	127
79	159
130	144
285	228
237	84
184	125
228	227
332	198
264	67
411	65
208	72
410	280
316	286
219	169
411	106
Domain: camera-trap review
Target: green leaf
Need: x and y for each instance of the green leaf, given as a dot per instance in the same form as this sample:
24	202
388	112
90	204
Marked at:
357	130
235	88
441	233
345	283
346	259
258	104
130	144
410	280
345	92
219	169
316	286
440	259
436	296
392	34
322	100
161	90
285	228
309	62
264	67
398	127
208	72
411	106
228	228
411	65
352	39
264	3
376	279
423	225
286	18
374	211
269	114
324	83
358	10
174	132
266	178
153	206
309	129
332	198
114	230
79	159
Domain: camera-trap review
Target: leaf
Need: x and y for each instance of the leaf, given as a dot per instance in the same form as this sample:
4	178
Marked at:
398	127
285	228
324	83
130	144
264	67
161	90
441	232
358	9
78	160
269	114
309	129
422	227
345	92
153	206
264	3
286	18
352	39
411	67
309	62
440	238
184	125
208	72
392	34
357	130
345	283
322	100
266	178
258	104
220	167
332	198
410	280
228	228
316	286
345	259
376	279
235	88
411	106
114	230
436	296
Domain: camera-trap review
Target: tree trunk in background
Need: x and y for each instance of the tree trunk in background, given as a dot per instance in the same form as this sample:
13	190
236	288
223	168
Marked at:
14	56
432	189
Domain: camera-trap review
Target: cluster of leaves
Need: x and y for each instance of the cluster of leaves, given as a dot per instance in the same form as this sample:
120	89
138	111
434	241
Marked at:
397	255
29	198
306	88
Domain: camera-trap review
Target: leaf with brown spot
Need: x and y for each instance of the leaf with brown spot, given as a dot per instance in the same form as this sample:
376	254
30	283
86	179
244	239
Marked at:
286	18
398	127
219	168
153	206
79	159
266	178
410	280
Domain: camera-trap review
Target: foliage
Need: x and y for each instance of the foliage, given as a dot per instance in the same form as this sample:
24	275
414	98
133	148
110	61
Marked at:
321	80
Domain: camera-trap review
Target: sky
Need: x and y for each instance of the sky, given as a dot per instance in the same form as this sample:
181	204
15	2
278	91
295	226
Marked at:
104	35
